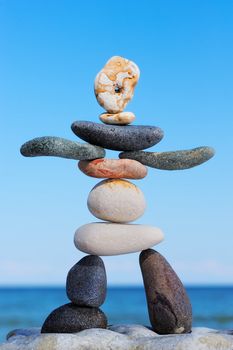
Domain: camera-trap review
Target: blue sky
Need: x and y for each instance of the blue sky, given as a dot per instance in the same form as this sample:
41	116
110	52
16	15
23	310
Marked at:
52	51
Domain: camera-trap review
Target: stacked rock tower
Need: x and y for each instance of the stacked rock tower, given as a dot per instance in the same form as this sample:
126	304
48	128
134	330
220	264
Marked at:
118	202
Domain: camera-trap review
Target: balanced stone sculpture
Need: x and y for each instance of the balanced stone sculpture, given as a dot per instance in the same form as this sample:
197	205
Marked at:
118	202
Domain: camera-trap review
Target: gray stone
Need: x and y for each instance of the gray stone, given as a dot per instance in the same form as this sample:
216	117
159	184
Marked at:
120	337
169	307
86	282
177	160
119	138
59	147
71	318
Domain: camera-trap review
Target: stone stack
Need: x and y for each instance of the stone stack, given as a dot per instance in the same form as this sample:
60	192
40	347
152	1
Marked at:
86	288
118	202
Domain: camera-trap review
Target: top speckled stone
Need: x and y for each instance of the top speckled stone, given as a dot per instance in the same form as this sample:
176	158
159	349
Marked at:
118	138
115	83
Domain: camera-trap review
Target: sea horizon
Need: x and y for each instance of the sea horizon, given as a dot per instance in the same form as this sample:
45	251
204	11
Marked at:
62	286
25	306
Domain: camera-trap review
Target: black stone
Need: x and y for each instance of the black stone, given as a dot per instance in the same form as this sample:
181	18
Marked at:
175	160
71	318
59	147
119	138
169	307
86	282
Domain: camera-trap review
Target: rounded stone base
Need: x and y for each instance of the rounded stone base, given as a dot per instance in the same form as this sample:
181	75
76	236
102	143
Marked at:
122	337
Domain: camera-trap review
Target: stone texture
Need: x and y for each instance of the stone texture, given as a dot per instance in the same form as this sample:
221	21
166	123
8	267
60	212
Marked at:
122	118
119	337
113	168
116	200
86	283
70	318
116	137
133	331
115	83
177	160
104	238
169	307
59	147
24	332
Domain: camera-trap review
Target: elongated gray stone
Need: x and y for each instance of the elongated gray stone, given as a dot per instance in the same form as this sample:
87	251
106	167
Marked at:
169	307
176	160
70	318
59	147
119	138
86	282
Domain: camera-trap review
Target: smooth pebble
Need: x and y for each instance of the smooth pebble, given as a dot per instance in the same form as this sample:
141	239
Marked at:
116	200
70	318
116	137
113	168
104	238
59	147
122	118
115	84
86	283
175	160
169	307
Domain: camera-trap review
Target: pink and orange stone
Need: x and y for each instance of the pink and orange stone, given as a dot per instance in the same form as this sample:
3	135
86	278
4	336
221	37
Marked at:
113	168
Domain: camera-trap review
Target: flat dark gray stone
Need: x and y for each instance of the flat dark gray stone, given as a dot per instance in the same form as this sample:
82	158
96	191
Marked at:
118	138
59	147
71	318
86	283
176	160
169	307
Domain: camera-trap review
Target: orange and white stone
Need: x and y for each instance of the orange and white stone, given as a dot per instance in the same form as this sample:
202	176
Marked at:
116	200
105	238
122	118
115	83
113	168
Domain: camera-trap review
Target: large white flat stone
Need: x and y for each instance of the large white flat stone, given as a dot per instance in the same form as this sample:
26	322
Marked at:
119	337
105	238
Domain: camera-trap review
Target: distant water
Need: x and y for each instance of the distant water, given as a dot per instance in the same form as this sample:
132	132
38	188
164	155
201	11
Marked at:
28	307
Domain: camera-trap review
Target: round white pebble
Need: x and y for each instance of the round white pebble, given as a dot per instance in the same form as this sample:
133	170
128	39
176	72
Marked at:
116	200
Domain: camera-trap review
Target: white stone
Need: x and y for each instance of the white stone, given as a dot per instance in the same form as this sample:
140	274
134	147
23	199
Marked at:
103	238
122	118
120	337
115	83
116	200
